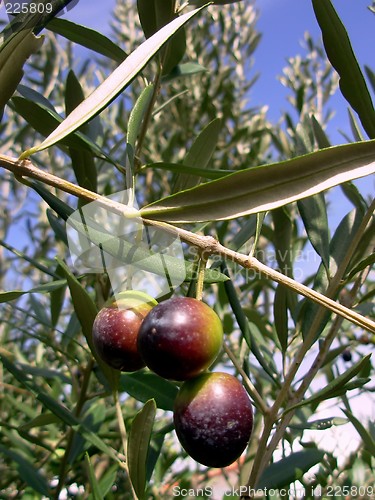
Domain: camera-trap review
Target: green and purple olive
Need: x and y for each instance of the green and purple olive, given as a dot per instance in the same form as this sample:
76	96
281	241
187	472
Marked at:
180	338
213	418
116	328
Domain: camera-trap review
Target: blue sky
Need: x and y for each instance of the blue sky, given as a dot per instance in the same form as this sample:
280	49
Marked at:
282	24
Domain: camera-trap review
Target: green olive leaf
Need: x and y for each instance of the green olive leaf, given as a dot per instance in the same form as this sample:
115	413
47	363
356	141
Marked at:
266	187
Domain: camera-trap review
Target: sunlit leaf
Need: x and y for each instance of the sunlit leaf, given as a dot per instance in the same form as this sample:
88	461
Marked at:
113	85
137	114
266	187
13	56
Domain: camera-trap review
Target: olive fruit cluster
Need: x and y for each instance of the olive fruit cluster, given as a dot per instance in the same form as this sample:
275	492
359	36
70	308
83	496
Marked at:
179	339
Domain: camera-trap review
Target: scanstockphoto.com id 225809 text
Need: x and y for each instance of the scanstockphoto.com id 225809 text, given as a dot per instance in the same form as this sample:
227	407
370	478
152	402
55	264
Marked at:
365	491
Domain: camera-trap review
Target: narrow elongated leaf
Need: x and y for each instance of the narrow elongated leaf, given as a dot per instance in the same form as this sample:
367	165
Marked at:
365	435
139	440
86	311
107	481
83	304
289	469
266	187
200	154
57	227
18	41
320	425
43	119
88	38
280	312
153	16
145	385
313	211
214	2
59	206
371	76
82	159
345	231
46	418
95	488
13	56
34	262
206	173
367	262
93	420
114	84
137	114
355	127
244	326
340	53
46	288
338	386
319	134
29	474
184	70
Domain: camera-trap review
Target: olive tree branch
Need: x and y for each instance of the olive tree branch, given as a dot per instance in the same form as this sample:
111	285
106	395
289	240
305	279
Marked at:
208	244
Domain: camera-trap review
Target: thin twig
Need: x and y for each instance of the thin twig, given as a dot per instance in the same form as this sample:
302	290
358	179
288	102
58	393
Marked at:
258	400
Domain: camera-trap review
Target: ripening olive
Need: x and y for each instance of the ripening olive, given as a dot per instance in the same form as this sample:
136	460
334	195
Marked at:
213	418
116	328
180	338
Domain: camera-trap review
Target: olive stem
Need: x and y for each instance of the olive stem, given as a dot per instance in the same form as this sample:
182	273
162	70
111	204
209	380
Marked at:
258	401
200	280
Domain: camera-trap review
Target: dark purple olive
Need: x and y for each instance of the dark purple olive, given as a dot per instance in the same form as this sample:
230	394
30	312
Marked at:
347	356
180	338
213	418
116	327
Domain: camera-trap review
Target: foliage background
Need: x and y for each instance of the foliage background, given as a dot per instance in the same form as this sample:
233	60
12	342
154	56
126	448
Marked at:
51	443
